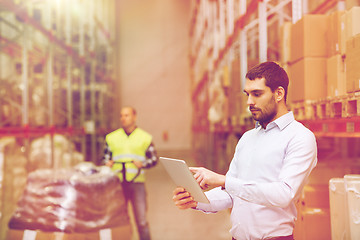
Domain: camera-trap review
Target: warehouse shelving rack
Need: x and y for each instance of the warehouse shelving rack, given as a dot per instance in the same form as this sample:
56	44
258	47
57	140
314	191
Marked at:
221	32
64	52
57	77
224	31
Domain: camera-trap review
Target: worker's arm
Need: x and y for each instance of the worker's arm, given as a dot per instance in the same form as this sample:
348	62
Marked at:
107	157
151	157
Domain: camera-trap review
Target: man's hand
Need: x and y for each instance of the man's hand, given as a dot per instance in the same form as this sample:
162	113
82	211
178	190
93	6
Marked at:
207	178
183	199
109	163
138	164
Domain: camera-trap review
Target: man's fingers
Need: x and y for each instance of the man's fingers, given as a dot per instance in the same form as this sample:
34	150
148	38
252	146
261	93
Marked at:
178	190
188	205
180	194
193	169
185	203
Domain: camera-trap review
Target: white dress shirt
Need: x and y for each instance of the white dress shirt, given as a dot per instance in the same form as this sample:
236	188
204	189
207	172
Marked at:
265	178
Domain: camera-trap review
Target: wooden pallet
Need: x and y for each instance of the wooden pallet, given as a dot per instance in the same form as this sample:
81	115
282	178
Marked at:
335	107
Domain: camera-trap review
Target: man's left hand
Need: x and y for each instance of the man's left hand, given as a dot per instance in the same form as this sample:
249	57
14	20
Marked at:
138	164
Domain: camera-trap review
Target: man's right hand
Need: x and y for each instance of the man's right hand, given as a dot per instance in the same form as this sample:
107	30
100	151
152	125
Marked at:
183	199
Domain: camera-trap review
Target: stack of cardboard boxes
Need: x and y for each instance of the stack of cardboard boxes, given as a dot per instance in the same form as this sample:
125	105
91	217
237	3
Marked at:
321	53
335	70
351	33
308	58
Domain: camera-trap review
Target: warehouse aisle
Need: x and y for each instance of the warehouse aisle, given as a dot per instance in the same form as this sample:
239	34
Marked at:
169	223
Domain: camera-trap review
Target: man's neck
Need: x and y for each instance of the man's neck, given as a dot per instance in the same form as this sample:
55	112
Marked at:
282	111
130	129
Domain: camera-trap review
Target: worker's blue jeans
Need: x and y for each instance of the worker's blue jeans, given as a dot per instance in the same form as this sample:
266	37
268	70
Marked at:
136	194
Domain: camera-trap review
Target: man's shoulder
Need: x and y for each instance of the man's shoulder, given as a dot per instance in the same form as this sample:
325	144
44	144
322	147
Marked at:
301	132
300	127
117	131
143	132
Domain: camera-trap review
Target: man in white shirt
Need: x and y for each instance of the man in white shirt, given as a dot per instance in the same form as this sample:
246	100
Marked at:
270	166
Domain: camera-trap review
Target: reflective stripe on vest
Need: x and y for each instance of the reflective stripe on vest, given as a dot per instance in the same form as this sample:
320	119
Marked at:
126	148
123	157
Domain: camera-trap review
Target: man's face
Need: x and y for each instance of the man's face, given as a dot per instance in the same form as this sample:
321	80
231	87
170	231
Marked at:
127	117
261	100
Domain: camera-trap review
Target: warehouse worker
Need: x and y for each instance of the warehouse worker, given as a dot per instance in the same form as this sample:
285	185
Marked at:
270	166
128	151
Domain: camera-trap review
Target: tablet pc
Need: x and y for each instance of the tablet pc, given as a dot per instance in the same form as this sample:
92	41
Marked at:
181	175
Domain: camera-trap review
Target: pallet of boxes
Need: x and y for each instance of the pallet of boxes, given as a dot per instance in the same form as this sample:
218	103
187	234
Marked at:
85	202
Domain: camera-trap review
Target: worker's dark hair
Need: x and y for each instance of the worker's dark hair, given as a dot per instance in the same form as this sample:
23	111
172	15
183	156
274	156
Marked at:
275	76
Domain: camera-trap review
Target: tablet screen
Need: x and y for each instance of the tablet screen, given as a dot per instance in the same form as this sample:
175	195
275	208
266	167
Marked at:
182	177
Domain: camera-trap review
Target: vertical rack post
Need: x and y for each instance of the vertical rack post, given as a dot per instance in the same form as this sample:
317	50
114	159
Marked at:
68	63
93	88
243	46
25	79
262	31
82	75
49	76
296	10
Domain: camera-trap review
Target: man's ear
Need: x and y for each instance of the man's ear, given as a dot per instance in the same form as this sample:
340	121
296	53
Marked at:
279	94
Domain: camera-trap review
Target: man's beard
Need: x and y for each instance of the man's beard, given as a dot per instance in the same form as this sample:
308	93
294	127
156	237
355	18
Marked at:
265	115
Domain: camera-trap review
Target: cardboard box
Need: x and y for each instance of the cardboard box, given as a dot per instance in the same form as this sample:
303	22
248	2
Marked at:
286	67
350	26
308	37
308	79
335	72
315	224
315	196
334	33
343	34
118	233
353	22
351	3
285	42
352	62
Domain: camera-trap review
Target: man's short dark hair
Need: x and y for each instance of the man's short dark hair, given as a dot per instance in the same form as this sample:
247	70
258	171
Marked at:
132	109
275	76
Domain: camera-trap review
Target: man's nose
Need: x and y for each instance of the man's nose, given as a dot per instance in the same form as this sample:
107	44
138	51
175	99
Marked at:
250	100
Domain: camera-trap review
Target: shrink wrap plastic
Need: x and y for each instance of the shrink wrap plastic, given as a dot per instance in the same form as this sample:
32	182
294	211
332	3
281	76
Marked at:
82	199
338	209
352	184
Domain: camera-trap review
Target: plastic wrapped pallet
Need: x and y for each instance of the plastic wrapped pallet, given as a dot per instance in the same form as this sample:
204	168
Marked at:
338	209
85	199
352	186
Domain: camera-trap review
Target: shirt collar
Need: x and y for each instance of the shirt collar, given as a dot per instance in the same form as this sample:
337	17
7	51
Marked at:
281	122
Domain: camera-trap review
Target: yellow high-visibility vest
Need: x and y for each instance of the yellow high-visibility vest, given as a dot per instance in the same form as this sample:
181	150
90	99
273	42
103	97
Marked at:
126	148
